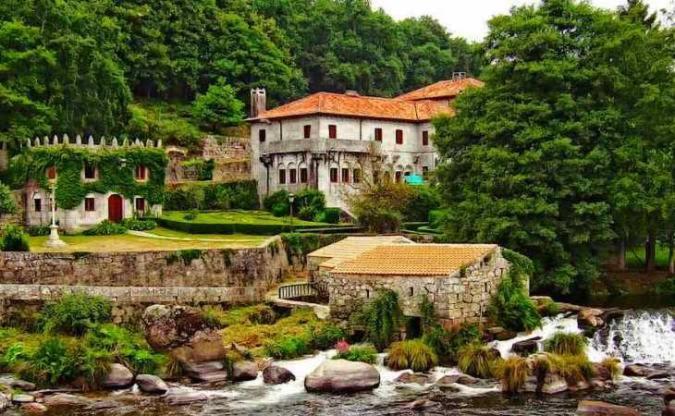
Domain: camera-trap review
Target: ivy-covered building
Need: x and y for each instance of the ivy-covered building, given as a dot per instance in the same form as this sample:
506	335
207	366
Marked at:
92	181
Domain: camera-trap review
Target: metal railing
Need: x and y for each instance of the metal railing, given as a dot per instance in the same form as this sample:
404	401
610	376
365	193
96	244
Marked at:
314	291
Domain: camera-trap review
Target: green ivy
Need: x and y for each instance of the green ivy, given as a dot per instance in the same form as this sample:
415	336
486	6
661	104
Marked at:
115	166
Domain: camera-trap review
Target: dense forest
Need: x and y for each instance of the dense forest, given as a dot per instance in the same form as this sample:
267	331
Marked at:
167	68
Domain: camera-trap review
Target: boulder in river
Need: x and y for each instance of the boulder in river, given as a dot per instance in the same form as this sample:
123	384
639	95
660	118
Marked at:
590	318
4	402
151	384
500	334
33	408
170	326
204	345
342	376
12	382
277	375
118	377
526	347
596	408
66	400
21	398
669	394
181	398
553	384
637	370
210	371
244	371
417	378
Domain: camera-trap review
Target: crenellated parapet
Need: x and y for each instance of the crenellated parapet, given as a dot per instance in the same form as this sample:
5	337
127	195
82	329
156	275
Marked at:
90	141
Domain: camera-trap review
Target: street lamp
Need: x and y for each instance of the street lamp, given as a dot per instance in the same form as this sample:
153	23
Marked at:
291	198
54	239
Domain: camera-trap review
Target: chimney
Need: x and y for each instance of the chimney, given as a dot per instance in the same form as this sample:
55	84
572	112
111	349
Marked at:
352	93
456	76
258	101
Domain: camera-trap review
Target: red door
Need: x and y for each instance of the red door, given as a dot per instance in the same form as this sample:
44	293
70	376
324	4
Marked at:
115	208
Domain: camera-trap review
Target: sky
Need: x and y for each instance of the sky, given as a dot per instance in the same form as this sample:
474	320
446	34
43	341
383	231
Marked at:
468	18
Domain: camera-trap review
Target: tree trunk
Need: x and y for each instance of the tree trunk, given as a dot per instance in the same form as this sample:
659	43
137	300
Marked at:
650	252
621	255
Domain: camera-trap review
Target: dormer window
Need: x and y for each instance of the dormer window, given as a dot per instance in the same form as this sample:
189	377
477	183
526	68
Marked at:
89	171
141	173
51	173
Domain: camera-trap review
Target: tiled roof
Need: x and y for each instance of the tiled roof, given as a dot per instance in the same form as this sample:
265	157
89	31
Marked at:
414	259
351	105
352	247
441	89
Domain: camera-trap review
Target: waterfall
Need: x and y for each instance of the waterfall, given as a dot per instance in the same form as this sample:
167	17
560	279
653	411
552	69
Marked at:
639	337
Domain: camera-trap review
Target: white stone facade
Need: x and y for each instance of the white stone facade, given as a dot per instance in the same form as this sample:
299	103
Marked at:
285	149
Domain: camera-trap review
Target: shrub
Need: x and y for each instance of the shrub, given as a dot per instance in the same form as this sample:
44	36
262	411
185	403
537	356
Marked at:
7	204
326	336
14	239
513	373
447	344
478	360
125	347
566	344
52	362
288	347
413	354
550	309
38	230
365	353
278	203
573	368
381	318
203	169
329	215
191	215
75	313
218	107
106	227
212	196
665	288
138	225
422	201
308	203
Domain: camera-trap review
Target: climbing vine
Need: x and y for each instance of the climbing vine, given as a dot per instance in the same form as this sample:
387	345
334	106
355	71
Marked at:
115	166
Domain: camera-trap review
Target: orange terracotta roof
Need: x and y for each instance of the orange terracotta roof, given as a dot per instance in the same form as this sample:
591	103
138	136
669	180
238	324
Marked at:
414	259
350	105
351	247
441	89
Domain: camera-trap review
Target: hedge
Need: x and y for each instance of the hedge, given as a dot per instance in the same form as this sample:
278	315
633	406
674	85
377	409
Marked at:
253	229
212	196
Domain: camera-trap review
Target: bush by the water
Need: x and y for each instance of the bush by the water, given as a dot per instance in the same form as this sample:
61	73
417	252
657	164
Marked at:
510	307
124	347
573	368
319	337
478	360
217	317
13	239
513	373
413	354
106	227
365	353
74	313
565	343
138	224
381	319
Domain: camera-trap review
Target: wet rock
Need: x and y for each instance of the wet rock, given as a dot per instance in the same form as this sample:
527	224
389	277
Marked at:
342	376
210	372
15	383
669	410
151	384
21	398
526	347
581	385
118	377
170	326
416	378
601	372
500	334
466	380
64	399
567	308
244	371
204	345
421	404
447	382
637	370
181	398
553	384
590	318
668	395
33	408
658	375
612	314
5	402
598	384
596	408
277	375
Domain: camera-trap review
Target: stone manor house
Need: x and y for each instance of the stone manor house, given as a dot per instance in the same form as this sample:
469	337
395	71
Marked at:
329	141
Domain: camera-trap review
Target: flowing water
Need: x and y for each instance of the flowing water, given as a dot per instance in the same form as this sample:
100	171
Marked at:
641	336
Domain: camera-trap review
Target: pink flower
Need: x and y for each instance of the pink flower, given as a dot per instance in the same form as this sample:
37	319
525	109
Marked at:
342	346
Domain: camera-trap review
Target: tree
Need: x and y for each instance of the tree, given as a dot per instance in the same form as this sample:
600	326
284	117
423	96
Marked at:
7	204
219	107
532	159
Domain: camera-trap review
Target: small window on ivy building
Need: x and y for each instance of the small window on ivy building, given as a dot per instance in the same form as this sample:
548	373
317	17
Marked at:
425	138
356	176
345	175
51	172
141	173
399	136
378	134
89	204
89	171
140	204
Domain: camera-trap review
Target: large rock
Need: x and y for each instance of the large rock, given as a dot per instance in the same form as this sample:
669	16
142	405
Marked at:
590	318
553	384
33	408
500	334
637	370
21	398
342	376
15	383
414	378
277	375
209	372
595	408
168	327
181	398
669	410
151	384
118	377
66	400
526	347
204	345
244	371
668	395
5	402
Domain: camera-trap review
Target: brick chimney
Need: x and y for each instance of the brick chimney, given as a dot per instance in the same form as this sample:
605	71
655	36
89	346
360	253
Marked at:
258	101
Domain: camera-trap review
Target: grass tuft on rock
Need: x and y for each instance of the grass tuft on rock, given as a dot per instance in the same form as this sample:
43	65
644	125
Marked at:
365	353
564	343
413	354
613	366
478	360
513	373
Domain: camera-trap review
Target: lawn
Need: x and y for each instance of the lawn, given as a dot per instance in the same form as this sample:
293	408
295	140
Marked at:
635	257
239	217
174	240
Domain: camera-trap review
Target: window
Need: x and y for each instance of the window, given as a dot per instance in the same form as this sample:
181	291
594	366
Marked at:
282	176
89	204
307	131
356	176
411	291
51	172
333	175
399	136
425	138
140	204
37	203
262	135
293	175
425	171
399	176
89	171
378	134
303	175
332	131
345	175
141	173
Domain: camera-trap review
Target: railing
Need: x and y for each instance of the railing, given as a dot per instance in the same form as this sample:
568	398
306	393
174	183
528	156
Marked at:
314	291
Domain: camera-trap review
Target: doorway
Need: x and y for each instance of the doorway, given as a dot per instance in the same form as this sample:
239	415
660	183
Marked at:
115	208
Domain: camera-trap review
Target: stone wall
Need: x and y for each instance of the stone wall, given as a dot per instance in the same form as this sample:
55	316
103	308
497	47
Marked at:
462	296
232	157
139	278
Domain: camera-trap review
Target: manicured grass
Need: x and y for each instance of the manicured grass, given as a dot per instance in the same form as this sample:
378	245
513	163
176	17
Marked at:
239	217
128	242
245	238
635	257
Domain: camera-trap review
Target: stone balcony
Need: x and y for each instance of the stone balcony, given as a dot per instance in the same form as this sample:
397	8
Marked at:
320	146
